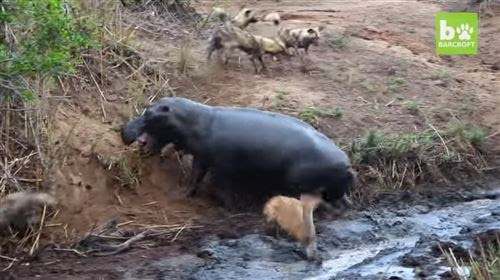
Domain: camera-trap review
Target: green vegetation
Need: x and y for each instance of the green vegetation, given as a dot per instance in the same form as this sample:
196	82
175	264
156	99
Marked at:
412	106
44	40
186	60
311	114
486	266
339	42
397	81
279	100
393	161
475	136
443	75
376	145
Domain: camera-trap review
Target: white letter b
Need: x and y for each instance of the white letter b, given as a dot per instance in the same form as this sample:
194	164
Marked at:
446	32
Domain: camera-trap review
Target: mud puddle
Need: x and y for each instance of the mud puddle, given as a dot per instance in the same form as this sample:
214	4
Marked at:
377	243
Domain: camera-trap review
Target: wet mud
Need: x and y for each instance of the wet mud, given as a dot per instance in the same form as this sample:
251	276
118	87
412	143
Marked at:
376	243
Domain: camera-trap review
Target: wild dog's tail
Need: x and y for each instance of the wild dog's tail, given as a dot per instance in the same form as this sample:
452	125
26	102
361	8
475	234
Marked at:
220	13
29	198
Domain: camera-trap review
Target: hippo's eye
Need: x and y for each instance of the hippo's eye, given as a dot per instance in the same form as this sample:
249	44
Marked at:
310	31
164	108
247	13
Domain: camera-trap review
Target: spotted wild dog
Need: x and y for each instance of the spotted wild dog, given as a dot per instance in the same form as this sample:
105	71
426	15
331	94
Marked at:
229	34
300	38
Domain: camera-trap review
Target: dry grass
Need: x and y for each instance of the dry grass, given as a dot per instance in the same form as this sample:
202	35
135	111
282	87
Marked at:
23	131
29	150
111	238
185	61
127	165
485	266
392	162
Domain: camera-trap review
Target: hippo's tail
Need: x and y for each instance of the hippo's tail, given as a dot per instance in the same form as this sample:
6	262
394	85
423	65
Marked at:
351	180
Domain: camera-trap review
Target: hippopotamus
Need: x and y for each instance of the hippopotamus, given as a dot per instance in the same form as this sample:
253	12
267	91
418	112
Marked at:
245	150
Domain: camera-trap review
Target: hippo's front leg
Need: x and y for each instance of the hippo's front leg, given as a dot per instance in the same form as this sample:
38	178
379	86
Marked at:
197	174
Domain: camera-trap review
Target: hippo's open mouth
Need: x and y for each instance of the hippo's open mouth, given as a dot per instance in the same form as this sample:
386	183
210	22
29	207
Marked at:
146	143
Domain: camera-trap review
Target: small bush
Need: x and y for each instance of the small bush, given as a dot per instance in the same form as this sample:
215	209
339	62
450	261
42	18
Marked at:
485	266
340	42
335	113
425	156
311	114
185	61
397	81
443	75
488	266
412	106
475	136
279	101
44	41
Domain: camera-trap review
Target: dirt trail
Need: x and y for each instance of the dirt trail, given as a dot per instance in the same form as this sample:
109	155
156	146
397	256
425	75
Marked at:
374	58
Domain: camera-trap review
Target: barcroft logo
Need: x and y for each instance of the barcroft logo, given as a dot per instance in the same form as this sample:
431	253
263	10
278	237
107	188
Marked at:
456	33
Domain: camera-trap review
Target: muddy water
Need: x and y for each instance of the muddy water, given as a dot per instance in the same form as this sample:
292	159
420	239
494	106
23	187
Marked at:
383	243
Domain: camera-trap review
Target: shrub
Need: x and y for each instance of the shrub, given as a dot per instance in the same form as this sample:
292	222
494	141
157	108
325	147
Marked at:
45	39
